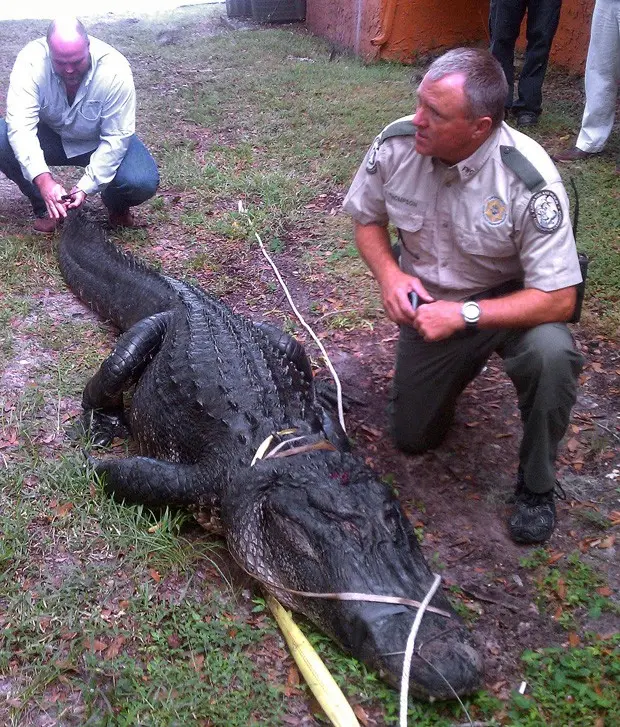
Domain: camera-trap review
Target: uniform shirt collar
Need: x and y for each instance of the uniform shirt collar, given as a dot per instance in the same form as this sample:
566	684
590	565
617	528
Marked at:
468	168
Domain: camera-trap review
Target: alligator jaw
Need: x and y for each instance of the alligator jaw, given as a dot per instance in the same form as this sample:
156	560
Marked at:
444	663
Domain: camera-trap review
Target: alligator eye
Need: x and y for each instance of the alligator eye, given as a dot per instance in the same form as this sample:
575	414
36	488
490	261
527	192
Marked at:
291	537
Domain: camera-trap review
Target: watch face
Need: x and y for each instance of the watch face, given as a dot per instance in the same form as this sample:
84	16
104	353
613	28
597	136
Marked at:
471	312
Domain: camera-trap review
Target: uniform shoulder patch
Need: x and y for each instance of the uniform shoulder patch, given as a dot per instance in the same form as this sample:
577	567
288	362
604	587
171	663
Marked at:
546	210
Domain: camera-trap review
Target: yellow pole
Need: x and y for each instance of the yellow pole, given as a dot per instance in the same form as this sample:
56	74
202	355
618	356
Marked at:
318	678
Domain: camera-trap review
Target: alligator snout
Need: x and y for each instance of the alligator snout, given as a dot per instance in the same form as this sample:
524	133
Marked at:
444	662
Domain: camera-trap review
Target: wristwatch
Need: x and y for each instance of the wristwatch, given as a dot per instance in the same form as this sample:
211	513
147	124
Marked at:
471	314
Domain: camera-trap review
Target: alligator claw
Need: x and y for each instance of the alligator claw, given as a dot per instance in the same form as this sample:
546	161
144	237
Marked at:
327	396
101	428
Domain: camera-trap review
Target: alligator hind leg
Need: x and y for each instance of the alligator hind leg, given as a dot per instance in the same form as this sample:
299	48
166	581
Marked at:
102	400
289	347
294	351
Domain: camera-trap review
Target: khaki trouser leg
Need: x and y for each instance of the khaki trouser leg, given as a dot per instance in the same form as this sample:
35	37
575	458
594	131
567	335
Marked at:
544	367
542	363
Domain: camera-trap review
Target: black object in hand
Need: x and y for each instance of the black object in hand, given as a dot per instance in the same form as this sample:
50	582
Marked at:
413	299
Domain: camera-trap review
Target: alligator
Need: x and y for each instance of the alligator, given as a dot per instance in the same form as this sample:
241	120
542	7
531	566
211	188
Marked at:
213	391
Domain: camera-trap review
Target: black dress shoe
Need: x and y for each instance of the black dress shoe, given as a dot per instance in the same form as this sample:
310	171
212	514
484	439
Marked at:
527	118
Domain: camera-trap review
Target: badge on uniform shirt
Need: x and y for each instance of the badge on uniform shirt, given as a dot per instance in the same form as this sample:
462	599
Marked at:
546	210
494	211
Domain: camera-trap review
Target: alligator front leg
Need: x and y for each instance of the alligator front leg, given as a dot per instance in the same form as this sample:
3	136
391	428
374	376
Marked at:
102	400
155	482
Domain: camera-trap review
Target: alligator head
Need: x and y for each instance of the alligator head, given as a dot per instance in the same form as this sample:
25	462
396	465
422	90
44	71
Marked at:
323	523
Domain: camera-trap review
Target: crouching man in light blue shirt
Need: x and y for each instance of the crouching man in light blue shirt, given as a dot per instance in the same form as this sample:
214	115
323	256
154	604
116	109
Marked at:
72	102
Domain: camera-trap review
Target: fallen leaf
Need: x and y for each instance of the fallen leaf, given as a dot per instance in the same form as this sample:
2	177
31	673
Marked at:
62	510
154	575
574	640
561	589
113	649
361	714
607	542
292	678
604	591
174	642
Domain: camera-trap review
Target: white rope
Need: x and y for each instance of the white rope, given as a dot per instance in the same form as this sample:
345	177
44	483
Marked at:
242	210
404	682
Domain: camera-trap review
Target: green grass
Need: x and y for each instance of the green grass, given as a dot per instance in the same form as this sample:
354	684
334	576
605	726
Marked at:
569	588
570	686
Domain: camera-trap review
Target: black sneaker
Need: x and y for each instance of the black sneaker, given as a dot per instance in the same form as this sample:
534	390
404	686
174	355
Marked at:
526	119
533	517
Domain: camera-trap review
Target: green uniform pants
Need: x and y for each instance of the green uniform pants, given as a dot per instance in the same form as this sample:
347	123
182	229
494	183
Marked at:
542	363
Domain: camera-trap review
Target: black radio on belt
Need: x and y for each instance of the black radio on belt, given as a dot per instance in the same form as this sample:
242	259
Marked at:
583	260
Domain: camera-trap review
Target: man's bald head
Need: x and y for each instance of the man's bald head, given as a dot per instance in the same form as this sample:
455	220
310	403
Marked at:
66	30
68	43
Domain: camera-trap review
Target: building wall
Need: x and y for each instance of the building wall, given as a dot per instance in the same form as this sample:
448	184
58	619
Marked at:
403	29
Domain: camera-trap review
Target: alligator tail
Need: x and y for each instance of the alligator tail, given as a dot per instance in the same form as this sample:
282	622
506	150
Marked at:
114	284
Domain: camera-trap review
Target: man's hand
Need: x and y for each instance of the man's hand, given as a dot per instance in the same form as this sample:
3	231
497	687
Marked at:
52	193
74	199
439	320
395	289
373	243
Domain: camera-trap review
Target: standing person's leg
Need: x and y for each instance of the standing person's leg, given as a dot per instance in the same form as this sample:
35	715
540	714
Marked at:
505	18
53	152
543	17
544	367
602	77
428	379
136	181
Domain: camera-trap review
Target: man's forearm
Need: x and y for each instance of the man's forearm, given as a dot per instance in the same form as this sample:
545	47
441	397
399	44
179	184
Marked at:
104	163
373	243
528	308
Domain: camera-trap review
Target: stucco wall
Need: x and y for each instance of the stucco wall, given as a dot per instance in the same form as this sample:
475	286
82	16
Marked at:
346	23
411	27
570	45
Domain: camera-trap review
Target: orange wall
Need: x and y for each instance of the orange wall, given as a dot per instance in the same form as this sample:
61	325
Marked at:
412	27
570	45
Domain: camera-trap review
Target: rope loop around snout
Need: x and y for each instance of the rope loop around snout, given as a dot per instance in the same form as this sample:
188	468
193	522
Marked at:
422	606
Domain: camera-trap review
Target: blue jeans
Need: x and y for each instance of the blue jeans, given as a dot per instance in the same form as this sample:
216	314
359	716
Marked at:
505	18
136	179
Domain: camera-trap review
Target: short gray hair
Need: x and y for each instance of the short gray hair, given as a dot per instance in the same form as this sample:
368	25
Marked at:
485	87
